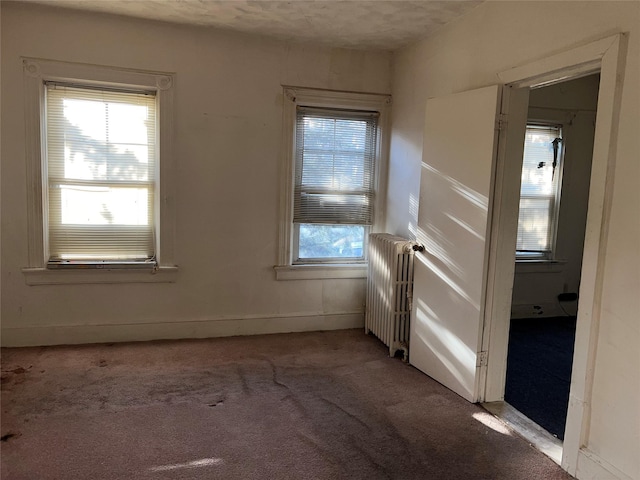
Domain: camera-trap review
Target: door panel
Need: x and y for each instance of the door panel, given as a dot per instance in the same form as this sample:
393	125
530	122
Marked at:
453	224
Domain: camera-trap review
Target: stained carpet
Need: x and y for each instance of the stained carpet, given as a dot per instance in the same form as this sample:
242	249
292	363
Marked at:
323	405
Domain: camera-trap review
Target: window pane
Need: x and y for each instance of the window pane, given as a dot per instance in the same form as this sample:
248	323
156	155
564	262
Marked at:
537	165
533	225
331	241
317	169
350	135
335	154
103	205
539	187
102	140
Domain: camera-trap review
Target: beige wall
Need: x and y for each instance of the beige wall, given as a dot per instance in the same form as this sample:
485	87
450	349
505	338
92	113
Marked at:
470	53
228	122
228	127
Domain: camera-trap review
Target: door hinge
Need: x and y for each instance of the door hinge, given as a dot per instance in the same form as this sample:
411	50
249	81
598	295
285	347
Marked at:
483	359
501	122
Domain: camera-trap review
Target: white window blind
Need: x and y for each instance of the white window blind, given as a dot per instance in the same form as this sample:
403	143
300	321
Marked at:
101	173
540	190
334	171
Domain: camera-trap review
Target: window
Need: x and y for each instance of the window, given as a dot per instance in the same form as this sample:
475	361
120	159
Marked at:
539	192
334	194
331	190
99	172
101	163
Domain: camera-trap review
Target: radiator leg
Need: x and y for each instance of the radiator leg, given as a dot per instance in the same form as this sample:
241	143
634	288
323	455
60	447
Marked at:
405	353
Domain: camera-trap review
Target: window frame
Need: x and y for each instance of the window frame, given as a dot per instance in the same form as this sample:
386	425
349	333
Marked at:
554	216
36	73
288	268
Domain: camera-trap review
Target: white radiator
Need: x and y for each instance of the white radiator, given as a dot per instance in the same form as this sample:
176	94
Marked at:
389	289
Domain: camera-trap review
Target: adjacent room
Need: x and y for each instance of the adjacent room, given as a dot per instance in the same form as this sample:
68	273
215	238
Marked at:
191	196
551	231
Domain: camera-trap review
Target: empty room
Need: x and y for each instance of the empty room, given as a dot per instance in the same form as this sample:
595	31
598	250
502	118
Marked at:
360	239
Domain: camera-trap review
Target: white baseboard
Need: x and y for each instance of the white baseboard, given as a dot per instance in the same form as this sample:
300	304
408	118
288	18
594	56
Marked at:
216	327
592	467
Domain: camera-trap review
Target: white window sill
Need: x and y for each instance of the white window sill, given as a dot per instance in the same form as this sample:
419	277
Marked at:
71	276
319	272
539	266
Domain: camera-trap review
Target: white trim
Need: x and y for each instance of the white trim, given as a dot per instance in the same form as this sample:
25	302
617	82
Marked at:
222	326
36	71
293	96
608	56
501	262
310	272
568	64
76	276
595	246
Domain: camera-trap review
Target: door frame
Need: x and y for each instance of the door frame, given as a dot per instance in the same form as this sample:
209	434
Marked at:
606	56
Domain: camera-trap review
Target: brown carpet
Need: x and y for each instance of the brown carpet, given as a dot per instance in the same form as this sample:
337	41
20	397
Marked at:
325	405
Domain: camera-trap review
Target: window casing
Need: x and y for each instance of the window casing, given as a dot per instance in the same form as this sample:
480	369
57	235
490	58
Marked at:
540	190
331	186
100	191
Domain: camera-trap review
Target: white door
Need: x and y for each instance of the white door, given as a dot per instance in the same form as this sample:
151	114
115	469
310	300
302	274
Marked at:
453	225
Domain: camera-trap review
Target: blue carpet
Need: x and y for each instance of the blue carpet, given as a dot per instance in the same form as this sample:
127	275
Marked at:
539	369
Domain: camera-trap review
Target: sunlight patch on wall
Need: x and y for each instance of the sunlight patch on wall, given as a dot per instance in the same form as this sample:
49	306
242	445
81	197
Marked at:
413	215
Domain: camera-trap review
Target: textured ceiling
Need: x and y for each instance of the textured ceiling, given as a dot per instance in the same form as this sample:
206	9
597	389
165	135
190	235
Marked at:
372	24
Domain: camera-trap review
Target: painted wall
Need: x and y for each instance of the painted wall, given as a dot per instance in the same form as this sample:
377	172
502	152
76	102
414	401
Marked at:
572	104
228	122
469	53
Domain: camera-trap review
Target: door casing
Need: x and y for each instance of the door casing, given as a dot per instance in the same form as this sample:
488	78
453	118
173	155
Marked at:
607	57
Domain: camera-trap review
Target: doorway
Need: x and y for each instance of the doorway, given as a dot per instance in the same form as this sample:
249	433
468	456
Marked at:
468	222
604	56
554	197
